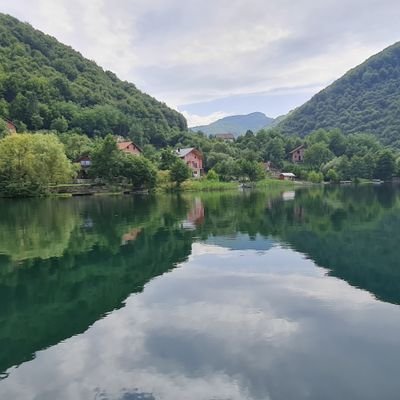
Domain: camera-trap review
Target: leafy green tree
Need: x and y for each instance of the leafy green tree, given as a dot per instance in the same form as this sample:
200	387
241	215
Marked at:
332	176
59	124
337	142
76	144
212	176
228	169
3	128
180	172
385	165
317	155
251	170
167	159
275	151
140	171
30	163
107	159
318	136
315	177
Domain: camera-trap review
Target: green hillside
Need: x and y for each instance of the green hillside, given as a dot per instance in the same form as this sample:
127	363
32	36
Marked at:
47	85
236	124
366	99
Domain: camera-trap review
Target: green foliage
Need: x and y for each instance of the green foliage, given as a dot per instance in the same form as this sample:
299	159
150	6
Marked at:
167	159
332	176
385	165
228	170
107	159
3	128
251	170
30	163
59	124
212	176
76	144
366	99
180	172
315	177
317	155
139	171
47	85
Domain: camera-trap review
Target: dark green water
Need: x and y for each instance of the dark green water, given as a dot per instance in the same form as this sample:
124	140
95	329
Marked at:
244	296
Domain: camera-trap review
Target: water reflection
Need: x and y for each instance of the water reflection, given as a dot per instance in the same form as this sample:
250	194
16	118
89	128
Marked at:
248	315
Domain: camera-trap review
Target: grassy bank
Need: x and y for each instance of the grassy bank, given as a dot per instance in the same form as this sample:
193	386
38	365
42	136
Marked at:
207	186
203	185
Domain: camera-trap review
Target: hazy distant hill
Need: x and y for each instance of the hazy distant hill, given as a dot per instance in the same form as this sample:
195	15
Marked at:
45	84
237	124
366	99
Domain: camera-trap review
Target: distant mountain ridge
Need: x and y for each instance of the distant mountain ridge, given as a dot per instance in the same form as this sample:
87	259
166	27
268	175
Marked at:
366	99
237	124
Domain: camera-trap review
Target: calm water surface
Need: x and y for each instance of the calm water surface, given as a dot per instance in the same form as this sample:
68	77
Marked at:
233	296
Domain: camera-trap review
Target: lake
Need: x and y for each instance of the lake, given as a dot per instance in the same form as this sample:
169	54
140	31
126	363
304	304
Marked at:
223	296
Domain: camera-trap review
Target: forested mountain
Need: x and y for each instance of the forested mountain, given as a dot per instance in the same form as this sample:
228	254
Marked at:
236	124
47	85
366	99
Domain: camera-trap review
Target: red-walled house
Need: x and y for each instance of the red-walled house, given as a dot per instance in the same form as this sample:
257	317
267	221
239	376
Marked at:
298	154
193	158
129	147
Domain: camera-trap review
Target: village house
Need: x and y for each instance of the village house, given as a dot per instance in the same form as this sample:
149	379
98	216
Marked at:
85	161
298	154
226	137
287	176
129	147
193	158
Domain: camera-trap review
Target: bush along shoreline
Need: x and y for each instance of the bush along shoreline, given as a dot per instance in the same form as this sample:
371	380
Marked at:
47	163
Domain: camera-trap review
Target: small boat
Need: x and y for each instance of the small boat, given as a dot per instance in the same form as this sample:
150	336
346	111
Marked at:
377	181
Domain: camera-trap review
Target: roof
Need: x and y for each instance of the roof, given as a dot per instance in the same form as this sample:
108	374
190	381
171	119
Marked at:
297	148
288	174
124	145
225	136
185	152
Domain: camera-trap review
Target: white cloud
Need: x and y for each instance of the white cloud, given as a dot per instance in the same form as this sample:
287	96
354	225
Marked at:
196	51
198	120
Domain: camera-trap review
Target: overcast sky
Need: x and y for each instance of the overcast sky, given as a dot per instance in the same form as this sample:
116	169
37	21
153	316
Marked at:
211	58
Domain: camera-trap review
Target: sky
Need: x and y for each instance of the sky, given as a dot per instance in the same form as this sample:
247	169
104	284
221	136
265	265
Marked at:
214	58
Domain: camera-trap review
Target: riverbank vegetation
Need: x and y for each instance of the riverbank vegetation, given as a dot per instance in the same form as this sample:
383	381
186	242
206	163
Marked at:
32	164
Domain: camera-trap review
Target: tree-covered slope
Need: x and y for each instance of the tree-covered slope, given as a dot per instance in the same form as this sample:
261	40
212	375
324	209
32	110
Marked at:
366	99
47	85
237	124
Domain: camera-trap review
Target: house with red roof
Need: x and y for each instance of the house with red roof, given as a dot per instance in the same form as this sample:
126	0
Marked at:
130	148
193	158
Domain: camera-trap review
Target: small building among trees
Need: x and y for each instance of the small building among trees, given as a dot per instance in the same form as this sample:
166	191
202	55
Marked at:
287	176
129	147
193	159
298	154
226	137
